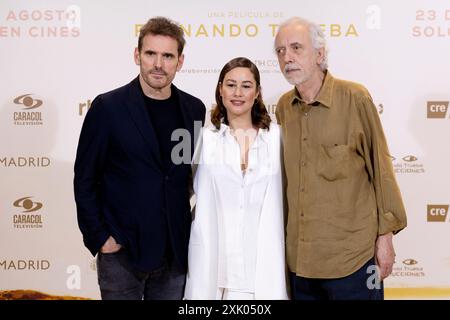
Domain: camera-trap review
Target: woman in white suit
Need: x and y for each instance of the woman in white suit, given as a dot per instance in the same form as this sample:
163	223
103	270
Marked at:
236	248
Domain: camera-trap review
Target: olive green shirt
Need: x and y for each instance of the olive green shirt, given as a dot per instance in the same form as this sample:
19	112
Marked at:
341	188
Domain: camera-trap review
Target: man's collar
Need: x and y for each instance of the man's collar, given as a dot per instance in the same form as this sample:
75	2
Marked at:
325	93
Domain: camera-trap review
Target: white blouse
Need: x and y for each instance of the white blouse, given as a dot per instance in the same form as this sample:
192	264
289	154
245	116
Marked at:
241	198
237	235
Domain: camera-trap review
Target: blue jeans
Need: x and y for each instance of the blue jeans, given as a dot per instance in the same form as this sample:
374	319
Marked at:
356	286
118	280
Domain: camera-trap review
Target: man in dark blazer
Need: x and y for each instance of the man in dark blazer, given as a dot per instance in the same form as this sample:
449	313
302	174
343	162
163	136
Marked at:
132	194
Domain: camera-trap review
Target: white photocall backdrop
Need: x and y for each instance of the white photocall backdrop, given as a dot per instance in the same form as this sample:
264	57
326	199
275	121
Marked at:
56	56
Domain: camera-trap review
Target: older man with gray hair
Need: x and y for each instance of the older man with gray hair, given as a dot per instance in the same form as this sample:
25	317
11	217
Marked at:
344	204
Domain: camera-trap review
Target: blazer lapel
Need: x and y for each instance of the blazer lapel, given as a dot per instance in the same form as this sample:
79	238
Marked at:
136	107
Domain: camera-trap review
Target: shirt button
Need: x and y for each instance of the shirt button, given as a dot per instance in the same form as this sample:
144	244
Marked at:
166	177
302	214
303	163
306	114
302	189
305	138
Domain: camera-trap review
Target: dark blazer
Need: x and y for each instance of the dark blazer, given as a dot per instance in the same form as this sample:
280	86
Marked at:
120	187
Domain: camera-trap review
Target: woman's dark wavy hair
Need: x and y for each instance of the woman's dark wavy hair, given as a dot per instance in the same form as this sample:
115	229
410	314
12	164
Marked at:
260	116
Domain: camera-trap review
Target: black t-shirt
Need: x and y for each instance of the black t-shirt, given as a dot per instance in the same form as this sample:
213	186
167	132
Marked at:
165	115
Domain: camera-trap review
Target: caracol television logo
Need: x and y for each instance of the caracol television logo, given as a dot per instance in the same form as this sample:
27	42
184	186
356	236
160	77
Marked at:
29	215
437	212
28	102
437	109
409	268
28	113
409	164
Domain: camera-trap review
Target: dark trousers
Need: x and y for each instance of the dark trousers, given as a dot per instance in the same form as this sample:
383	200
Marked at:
360	285
118	280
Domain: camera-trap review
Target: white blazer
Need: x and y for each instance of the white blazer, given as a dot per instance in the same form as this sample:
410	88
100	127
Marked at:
206	237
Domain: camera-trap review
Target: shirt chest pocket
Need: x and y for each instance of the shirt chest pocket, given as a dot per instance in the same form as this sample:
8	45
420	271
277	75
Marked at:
334	162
